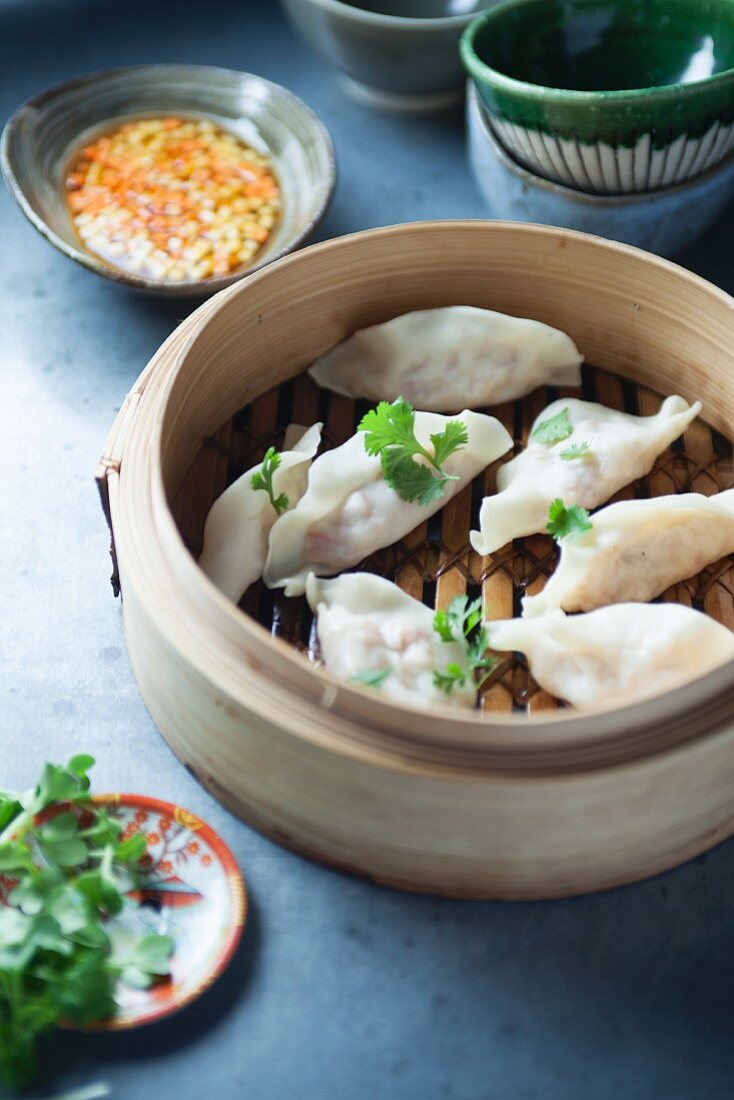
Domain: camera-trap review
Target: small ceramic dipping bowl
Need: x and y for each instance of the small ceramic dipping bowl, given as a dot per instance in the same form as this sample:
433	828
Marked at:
664	221
394	54
43	135
609	96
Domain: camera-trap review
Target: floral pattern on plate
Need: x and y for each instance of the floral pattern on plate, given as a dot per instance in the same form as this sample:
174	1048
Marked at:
191	890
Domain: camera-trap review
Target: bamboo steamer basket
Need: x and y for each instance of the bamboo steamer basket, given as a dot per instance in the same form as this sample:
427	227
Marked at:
485	804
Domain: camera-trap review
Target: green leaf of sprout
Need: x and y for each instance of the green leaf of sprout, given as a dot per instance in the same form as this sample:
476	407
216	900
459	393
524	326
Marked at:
391	424
460	624
411	480
567	521
149	960
577	450
263	479
451	439
453	676
71	874
371	677
59	784
10	807
554	430
389	431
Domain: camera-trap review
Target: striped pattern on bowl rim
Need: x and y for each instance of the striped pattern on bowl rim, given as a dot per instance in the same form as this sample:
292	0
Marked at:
604	169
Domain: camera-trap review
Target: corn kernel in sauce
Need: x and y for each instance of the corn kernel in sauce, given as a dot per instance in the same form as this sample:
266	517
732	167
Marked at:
172	199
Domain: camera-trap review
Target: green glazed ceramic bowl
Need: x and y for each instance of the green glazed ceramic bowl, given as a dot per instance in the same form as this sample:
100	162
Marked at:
608	96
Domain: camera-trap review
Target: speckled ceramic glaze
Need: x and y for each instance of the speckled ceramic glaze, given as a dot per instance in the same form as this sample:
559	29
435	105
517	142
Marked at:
608	96
663	221
40	138
394	54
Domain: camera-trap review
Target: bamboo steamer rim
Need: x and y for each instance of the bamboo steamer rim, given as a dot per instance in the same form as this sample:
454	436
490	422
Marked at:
341	715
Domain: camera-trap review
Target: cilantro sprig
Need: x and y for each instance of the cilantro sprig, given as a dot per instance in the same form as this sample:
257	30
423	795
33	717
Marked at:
567	521
389	432
263	479
553	430
63	876
460	623
576	450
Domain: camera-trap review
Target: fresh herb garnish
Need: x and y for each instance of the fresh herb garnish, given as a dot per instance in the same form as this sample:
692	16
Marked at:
576	450
460	623
62	877
390	433
371	677
554	430
263	479
567	522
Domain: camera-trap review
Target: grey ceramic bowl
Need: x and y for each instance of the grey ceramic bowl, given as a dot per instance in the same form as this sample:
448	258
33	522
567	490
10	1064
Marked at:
395	54
42	134
663	221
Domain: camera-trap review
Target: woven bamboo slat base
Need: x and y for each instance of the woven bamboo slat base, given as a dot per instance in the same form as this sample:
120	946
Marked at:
435	562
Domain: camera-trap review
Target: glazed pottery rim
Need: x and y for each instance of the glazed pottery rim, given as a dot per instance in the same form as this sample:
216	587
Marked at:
479	70
237	896
186	287
405	22
588	198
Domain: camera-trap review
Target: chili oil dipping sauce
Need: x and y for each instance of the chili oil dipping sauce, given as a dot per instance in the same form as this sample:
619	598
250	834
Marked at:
172	198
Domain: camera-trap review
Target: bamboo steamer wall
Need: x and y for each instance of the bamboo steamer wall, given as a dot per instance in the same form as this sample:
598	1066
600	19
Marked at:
467	804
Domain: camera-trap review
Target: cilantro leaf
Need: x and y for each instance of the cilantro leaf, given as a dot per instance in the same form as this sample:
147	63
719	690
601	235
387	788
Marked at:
443	626
411	480
59	784
389	431
101	886
567	522
553	430
10	807
451	439
65	875
263	479
577	450
132	850
390	424
149	960
460	624
454	676
60	843
14	856
371	677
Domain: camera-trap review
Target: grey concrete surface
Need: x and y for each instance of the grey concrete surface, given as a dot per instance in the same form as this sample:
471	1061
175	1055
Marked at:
341	990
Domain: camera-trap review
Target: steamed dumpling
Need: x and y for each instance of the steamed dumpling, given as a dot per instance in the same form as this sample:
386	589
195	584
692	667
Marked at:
617	654
349	511
446	359
621	448
239	521
367	625
636	549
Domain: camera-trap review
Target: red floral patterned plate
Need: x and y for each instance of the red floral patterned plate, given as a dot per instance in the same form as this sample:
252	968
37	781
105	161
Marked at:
192	890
